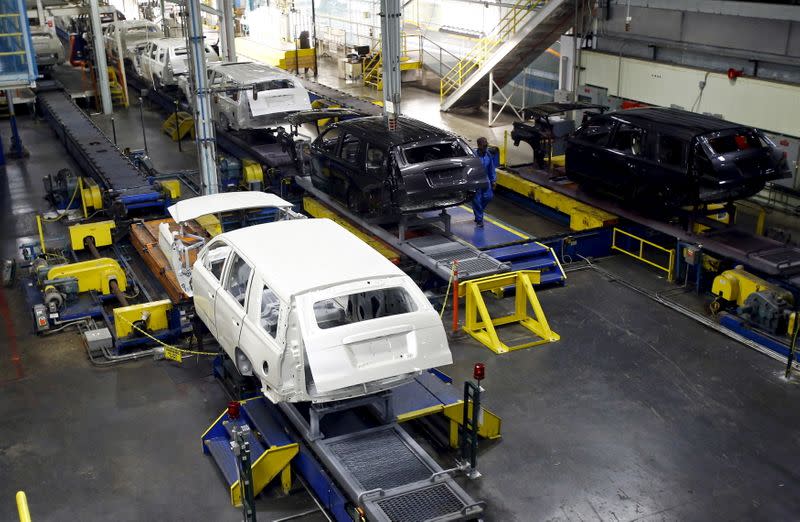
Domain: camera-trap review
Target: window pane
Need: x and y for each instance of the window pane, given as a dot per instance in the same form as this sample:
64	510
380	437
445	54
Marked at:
270	308
330	139
363	306
238	276
628	139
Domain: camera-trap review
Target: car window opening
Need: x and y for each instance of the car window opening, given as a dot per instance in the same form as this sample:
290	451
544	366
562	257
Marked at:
628	139
273	85
734	143
238	276
362	306
437	151
270	308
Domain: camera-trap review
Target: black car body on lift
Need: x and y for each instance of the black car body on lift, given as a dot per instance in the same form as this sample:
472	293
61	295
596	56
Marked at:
664	158
544	129
382	175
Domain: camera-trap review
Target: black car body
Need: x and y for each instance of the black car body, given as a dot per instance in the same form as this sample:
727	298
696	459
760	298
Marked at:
383	174
668	158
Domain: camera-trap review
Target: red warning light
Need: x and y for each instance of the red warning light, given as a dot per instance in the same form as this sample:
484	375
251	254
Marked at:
479	371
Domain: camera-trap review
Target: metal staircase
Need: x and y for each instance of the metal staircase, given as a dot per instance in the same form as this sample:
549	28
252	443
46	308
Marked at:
526	30
410	59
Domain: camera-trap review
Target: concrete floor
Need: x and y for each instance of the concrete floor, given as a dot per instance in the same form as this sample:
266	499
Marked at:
636	414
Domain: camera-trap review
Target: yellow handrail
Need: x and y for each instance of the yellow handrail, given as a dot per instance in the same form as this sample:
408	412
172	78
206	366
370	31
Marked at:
373	68
640	255
479	54
22	507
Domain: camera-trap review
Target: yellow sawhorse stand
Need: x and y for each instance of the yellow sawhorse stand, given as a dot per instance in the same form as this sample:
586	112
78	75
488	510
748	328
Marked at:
479	323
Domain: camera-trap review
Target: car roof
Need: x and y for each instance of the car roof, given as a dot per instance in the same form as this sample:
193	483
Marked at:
170	42
300	255
408	130
193	208
252	72
679	122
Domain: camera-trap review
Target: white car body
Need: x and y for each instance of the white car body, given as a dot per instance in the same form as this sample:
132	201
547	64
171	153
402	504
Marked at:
131	33
252	95
164	60
49	51
314	312
178	245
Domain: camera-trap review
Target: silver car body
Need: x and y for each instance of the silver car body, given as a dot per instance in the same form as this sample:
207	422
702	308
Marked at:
252	95
49	51
130	33
164	60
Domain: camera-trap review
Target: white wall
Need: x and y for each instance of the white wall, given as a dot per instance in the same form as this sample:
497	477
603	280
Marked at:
767	105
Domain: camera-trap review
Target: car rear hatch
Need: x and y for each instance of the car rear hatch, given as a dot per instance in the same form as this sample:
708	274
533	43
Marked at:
391	339
272	100
742	156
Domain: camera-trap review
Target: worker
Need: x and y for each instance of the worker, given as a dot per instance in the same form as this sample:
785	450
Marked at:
484	196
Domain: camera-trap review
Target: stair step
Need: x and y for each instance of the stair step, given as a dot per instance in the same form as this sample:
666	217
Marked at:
222	454
552	277
512	252
534	264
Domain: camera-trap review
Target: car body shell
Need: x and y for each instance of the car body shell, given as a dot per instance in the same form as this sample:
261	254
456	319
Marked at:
163	60
383	175
130	33
251	95
668	158
49	51
310	324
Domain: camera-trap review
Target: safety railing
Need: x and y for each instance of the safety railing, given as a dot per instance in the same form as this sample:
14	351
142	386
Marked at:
483	49
410	57
640	251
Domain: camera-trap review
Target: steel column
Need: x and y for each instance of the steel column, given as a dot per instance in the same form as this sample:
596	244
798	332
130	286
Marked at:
101	68
204	124
390	51
227	38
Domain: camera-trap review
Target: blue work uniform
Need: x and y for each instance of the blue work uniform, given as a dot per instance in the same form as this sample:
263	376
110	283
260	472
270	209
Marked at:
485	195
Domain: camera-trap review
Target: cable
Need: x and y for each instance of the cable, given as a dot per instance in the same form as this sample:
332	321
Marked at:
447	293
66	209
696	104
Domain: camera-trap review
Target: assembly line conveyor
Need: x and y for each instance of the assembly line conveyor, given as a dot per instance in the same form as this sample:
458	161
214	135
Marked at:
122	185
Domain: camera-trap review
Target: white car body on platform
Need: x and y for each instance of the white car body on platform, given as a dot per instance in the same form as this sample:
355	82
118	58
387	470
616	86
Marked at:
130	33
314	312
163	60
177	245
251	95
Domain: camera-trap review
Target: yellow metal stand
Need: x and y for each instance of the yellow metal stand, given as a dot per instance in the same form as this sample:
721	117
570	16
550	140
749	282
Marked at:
272	462
178	126
22	507
479	323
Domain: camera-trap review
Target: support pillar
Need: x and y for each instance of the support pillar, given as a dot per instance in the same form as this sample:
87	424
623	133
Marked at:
390	52
204	123
101	67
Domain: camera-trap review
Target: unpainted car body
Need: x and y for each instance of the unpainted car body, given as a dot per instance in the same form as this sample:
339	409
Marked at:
383	175
667	158
130	33
180	246
251	95
49	51
162	61
314	312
